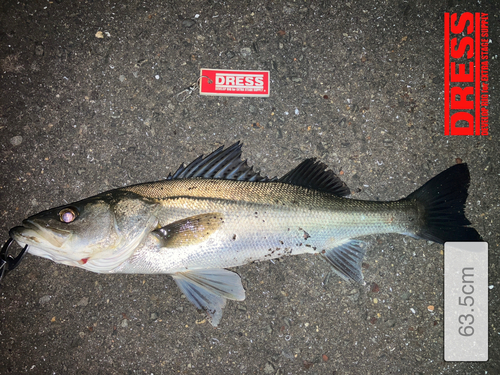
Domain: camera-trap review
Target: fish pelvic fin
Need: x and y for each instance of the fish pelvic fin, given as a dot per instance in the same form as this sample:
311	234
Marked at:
209	289
346	260
442	202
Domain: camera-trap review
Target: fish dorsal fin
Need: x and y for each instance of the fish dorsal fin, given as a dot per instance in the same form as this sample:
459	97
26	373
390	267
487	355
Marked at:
223	164
314	175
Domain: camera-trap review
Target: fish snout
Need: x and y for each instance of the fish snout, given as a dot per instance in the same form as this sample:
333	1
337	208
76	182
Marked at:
33	233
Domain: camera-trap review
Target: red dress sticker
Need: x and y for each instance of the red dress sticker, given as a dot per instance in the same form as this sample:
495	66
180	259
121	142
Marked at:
234	82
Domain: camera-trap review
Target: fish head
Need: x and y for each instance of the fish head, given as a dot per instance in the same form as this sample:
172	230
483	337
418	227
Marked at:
97	234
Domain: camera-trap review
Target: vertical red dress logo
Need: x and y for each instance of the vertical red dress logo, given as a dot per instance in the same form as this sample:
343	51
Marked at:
466	41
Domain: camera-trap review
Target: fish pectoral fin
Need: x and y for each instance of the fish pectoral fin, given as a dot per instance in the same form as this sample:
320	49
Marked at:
346	259
209	289
189	231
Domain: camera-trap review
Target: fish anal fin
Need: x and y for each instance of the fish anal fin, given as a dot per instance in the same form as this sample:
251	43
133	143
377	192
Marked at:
346	259
209	289
189	231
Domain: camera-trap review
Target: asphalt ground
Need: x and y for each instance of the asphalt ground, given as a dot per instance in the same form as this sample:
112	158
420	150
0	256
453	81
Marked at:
358	85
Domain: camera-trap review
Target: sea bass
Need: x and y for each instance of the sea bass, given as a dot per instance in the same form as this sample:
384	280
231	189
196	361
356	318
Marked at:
218	213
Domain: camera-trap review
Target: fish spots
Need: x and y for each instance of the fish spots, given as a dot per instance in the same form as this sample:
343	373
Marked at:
234	237
306	235
281	242
270	253
278	252
192	187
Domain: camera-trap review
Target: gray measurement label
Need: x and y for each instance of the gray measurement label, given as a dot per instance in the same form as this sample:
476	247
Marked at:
466	301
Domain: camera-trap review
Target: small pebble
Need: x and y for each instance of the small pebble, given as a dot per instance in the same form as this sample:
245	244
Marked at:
268	368
44	299
99	35
39	50
83	302
121	78
188	23
245	52
16	141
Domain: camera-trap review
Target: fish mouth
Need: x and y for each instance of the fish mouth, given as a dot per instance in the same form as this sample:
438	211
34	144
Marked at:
39	235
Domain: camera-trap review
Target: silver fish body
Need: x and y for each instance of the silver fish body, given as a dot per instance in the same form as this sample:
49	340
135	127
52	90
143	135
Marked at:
256	221
217	213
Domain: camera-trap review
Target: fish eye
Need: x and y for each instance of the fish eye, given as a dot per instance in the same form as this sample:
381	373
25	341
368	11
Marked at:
67	215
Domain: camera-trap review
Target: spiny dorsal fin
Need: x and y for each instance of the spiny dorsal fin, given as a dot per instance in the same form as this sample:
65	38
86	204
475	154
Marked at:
313	174
221	164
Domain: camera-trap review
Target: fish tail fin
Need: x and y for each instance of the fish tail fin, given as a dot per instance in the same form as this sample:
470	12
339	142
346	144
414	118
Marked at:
442	200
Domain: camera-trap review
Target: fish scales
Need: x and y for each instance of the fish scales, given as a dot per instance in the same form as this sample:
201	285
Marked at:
261	221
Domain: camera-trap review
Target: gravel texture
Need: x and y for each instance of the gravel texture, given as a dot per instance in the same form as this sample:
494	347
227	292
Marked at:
88	103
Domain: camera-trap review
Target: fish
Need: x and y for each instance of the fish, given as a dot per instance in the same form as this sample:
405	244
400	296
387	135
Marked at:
217	213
